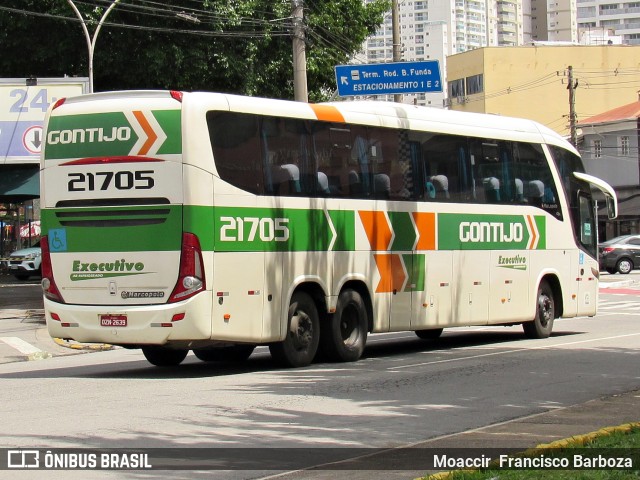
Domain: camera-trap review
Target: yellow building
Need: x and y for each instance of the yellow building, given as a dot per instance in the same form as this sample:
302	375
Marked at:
532	81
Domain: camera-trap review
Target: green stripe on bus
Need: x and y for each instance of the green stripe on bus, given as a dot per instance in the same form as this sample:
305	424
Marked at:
171	123
344	222
115	230
541	225
254	229
89	135
416	269
239	229
488	232
111	134
404	231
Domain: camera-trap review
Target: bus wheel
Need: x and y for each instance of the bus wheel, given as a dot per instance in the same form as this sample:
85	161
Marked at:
542	324
163	356
430	334
301	343
234	353
344	335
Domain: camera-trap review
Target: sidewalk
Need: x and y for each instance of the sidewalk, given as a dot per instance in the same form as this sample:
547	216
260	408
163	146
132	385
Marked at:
566	423
560	428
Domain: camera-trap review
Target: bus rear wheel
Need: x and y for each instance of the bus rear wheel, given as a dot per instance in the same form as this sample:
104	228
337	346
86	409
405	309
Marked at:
344	336
164	356
542	324
303	335
233	353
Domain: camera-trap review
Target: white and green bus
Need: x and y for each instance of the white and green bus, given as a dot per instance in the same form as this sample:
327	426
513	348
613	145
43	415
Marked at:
215	223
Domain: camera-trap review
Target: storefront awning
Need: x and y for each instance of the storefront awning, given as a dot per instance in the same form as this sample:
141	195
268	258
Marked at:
19	183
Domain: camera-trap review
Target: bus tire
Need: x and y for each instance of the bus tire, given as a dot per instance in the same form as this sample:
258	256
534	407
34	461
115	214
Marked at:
344	336
233	353
164	356
430	334
303	335
542	324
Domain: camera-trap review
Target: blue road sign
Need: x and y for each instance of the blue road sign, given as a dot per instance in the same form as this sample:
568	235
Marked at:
388	78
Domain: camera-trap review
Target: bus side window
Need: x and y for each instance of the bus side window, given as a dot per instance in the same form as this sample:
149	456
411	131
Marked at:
531	167
236	146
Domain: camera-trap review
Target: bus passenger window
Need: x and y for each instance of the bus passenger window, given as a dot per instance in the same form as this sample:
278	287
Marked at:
236	149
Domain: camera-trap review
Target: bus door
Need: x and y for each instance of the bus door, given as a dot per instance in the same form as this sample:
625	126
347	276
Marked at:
509	296
586	268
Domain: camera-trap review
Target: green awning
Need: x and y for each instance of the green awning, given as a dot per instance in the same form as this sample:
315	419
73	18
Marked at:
19	183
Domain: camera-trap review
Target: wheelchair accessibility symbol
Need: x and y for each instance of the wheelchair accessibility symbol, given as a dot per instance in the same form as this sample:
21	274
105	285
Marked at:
57	240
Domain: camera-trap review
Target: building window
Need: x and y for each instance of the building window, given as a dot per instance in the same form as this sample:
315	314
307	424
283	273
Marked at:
624	145
456	88
475	84
597	149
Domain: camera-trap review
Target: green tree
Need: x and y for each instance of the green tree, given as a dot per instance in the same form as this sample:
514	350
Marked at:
239	46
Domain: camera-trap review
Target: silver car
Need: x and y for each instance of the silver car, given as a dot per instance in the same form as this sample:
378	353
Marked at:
25	263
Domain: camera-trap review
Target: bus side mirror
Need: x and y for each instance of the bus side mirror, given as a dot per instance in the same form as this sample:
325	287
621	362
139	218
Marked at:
612	210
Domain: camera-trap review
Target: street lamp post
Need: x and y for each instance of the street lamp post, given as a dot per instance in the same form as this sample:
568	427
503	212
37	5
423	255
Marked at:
91	42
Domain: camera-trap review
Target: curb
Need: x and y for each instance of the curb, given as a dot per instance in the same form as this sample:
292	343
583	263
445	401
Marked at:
99	347
566	443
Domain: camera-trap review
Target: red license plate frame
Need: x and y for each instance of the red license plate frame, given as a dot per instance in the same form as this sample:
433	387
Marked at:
114	320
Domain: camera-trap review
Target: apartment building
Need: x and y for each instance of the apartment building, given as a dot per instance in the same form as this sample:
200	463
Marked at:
553	20
622	17
435	29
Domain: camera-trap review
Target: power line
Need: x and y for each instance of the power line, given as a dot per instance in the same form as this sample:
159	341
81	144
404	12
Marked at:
205	33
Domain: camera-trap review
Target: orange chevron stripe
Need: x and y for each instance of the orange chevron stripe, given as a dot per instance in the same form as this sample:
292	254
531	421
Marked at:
151	134
426	225
392	276
327	113
534	237
377	229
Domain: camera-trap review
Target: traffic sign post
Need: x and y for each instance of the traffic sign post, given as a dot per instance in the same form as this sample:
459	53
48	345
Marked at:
388	78
23	106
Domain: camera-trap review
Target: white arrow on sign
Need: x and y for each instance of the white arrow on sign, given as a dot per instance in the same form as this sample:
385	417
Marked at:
344	81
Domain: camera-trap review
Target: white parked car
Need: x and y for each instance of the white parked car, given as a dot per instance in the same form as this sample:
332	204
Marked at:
25	263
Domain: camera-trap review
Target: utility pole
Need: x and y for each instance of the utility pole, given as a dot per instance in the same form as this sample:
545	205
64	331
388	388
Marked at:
572	107
397	51
299	53
91	42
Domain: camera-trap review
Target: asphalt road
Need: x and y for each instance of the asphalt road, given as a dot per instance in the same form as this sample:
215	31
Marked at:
403	392
20	294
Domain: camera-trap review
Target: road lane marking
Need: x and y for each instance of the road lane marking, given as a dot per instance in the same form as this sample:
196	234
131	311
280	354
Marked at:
31	352
518	350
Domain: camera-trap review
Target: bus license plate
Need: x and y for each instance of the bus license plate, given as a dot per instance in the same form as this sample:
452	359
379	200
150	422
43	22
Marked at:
113	320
